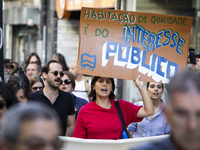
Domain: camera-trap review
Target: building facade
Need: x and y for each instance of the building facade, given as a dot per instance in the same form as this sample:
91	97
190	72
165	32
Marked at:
49	26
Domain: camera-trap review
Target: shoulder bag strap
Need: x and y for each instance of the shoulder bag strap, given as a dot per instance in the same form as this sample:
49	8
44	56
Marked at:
121	116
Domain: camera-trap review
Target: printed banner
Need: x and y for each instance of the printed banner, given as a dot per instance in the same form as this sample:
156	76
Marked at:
124	44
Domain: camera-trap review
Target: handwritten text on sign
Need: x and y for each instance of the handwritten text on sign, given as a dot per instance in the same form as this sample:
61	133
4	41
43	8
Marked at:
152	45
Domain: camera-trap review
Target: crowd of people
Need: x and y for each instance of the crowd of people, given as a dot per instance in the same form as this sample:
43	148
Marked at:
39	103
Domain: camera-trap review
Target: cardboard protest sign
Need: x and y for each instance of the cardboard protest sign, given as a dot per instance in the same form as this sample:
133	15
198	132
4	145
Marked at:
124	44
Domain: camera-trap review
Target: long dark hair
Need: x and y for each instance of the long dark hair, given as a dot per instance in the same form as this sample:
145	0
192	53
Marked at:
27	61
7	96
61	59
19	81
92	94
71	77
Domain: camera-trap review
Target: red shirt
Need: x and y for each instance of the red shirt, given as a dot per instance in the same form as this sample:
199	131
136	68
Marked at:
95	122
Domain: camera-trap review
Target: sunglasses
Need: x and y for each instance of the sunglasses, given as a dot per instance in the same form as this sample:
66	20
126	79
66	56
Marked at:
2	104
36	88
67	81
55	73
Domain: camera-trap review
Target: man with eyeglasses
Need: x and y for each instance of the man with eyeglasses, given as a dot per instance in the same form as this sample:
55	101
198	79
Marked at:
182	111
51	95
33	126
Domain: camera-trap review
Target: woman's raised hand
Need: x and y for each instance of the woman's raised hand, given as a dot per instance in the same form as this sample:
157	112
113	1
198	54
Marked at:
148	109
139	83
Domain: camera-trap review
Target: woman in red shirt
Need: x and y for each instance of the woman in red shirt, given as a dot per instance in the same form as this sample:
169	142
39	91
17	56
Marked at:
99	119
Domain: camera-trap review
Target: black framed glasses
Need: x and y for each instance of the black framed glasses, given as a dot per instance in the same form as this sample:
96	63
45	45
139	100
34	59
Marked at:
67	81
2	104
55	73
36	88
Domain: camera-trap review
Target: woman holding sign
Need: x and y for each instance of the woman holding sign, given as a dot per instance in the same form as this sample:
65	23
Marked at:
99	119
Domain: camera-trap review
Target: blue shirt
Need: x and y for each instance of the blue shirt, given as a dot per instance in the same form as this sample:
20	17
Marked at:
78	103
156	126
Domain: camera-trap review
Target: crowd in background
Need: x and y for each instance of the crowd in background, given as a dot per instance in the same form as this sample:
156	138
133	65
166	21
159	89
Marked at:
81	106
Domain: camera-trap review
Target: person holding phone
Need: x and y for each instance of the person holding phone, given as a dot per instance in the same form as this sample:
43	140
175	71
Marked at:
194	60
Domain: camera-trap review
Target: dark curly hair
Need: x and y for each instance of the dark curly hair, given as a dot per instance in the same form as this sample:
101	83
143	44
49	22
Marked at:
92	94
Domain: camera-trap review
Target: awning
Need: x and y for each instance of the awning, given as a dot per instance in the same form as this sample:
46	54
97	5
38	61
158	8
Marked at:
64	7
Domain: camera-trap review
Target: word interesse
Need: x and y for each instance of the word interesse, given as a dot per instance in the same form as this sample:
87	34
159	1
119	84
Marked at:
159	67
152	40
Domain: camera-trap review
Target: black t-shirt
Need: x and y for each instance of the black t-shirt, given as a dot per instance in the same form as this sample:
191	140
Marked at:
64	105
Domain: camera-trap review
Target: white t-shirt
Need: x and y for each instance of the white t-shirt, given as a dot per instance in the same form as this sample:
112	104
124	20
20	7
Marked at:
80	90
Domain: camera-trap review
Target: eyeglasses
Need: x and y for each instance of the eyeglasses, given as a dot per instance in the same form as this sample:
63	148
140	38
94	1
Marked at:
36	88
67	81
40	145
55	73
2	104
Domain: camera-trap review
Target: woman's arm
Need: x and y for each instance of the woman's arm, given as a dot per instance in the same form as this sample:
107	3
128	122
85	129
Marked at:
147	109
70	125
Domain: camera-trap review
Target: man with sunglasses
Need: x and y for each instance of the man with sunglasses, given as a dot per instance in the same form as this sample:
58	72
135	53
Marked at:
33	126
51	95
